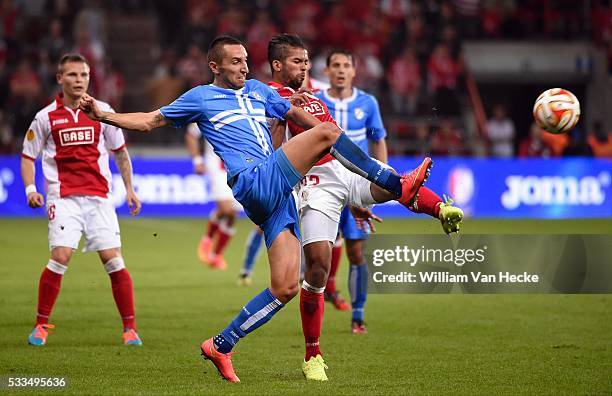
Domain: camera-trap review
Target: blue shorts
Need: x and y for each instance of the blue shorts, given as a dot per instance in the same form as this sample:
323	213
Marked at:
348	226
265	192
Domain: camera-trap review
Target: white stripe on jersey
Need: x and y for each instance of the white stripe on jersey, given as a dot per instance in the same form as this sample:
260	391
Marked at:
255	127
227	113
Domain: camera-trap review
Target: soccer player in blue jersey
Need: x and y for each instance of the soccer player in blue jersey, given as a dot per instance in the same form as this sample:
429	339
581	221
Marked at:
232	114
358	114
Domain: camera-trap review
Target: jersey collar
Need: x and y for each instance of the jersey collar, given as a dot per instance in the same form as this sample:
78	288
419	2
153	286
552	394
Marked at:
336	100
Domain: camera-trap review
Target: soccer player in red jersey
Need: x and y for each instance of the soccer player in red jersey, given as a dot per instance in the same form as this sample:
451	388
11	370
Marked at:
321	196
75	165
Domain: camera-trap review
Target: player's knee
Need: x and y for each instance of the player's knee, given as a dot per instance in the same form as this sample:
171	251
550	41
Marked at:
318	268
330	133
61	255
286	293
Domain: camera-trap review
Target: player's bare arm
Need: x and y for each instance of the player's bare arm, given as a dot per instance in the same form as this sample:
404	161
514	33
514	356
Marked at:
301	118
277	130
35	199
378	149
192	143
124	164
143	122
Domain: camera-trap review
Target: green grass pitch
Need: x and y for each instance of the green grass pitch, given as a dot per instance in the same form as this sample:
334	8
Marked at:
417	344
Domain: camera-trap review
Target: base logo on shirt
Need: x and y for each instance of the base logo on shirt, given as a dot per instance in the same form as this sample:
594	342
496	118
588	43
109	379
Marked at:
76	136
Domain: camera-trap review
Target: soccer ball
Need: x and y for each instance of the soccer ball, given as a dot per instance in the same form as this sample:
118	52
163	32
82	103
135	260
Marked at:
556	110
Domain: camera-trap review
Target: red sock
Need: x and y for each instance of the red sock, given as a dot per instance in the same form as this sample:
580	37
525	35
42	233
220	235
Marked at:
428	202
212	227
312	306
330	287
123	292
48	289
225	234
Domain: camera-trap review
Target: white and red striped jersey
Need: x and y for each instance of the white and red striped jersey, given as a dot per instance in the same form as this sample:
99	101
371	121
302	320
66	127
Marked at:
74	150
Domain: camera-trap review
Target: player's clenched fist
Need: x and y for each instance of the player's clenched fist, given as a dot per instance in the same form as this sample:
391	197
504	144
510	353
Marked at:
35	200
90	107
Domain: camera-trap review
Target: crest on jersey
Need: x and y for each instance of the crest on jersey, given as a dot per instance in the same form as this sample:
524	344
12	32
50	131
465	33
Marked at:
359	113
76	136
30	135
257	96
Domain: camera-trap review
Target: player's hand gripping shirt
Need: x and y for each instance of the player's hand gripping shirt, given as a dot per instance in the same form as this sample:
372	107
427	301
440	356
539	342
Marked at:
233	121
358	116
314	107
74	150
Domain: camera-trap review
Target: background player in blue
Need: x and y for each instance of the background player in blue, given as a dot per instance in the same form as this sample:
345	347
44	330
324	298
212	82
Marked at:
357	113
231	112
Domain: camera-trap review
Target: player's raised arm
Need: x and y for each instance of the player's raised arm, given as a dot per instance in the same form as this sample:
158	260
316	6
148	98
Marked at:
143	122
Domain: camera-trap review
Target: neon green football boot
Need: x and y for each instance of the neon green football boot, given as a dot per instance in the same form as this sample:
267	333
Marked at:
314	369
450	216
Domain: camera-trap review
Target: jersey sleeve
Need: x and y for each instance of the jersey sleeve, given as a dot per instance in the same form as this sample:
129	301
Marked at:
188	108
375	130
35	138
113	136
276	105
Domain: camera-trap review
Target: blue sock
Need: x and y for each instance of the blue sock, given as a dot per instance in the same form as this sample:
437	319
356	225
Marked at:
356	160
252	249
358	287
257	312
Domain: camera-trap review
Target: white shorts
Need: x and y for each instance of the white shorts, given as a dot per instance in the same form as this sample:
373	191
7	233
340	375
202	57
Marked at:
329	187
316	226
71	217
217	177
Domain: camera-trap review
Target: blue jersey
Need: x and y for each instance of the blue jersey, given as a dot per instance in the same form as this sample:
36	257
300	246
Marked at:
358	116
233	121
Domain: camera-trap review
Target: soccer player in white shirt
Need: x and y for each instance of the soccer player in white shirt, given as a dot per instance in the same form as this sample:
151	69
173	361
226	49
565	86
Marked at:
76	169
221	220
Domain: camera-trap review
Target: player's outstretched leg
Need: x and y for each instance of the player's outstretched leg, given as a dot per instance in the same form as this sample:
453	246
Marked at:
253	245
123	293
430	203
284	258
305	149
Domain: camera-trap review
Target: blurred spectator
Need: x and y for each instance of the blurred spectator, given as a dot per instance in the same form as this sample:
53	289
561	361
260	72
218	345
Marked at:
420	144
112	87
501	131
55	44
258	36
442	77
446	140
25	91
298	16
600	141
533	145
334	30
404	79
369	69
395	10
164	89
7	140
193	67
578	145
557	142
233	21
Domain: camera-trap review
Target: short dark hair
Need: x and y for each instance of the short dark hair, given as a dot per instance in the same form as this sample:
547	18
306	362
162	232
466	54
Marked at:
278	45
215	49
349	54
70	57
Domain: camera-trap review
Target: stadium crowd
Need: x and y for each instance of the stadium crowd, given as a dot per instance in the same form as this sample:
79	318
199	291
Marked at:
408	54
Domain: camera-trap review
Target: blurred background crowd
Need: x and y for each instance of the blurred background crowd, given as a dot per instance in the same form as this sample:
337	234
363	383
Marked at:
408	54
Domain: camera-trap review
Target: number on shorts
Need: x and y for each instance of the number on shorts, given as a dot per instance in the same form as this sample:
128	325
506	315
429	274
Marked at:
51	212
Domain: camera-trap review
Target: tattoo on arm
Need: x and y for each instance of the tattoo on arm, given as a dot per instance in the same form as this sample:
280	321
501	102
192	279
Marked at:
124	164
